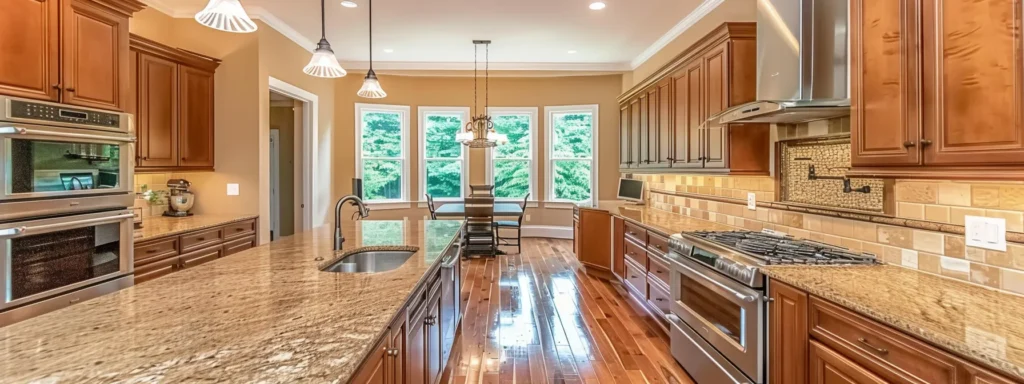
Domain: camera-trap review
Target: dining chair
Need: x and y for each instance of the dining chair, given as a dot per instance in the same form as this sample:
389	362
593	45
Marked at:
479	236
481	190
431	207
512	225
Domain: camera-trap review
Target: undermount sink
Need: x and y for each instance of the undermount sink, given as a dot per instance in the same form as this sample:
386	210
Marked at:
370	261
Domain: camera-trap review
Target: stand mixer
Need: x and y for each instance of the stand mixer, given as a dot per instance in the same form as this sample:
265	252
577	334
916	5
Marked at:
181	199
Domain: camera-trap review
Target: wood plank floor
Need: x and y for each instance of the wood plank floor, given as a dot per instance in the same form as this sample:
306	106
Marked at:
535	317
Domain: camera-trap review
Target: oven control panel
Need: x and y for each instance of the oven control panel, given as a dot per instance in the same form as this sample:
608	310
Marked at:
49	112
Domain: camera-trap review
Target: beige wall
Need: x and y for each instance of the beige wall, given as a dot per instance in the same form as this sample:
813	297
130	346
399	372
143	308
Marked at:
505	92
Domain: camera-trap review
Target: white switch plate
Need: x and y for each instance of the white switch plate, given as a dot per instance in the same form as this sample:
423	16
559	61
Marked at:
232	189
527	217
985	232
751	201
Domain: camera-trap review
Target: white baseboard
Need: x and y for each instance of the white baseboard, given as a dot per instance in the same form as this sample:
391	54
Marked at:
547	231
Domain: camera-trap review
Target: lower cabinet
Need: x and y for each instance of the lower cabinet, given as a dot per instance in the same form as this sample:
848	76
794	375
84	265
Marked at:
829	367
591	242
161	256
787	334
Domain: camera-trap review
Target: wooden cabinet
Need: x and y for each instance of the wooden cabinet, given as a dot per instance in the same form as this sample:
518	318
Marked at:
68	51
618	247
416	350
937	89
175	104
374	369
592	243
787	335
829	367
715	74
161	256
625	140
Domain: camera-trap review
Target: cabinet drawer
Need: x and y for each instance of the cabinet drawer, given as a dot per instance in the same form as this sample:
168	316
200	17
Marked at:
636	254
197	240
657	243
201	256
658	297
239	229
156	269
234	246
156	250
637	233
636	279
658	269
884	351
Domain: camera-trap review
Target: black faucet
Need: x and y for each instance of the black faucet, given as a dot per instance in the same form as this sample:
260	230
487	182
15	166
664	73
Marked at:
364	212
847	185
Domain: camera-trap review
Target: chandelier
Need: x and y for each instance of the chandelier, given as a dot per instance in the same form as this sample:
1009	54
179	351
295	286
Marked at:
479	132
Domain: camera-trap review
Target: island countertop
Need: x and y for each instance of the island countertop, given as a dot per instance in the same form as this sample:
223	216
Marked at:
267	314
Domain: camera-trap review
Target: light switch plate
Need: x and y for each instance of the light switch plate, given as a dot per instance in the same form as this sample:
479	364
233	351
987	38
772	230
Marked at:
985	232
232	189
751	201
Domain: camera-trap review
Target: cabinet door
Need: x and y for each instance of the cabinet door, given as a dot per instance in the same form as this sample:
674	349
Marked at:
716	99
157	117
618	247
974	93
396	365
196	117
95	56
416	351
694	114
434	350
653	139
886	73
829	367
624	138
373	370
634	133
787	335
645	131
664	109
29	34
680	121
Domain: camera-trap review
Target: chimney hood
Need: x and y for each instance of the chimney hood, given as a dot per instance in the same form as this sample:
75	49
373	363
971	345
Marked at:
802	63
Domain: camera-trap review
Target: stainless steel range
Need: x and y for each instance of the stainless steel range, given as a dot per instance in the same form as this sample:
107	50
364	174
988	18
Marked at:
718	321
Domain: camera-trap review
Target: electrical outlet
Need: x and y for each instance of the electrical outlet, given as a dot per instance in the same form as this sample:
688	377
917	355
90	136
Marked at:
751	201
232	189
527	218
985	232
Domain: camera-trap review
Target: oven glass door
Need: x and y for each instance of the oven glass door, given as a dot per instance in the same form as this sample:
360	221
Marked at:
41	162
728	315
43	258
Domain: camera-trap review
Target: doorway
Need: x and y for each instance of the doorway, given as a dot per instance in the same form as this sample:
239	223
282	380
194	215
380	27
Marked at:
285	127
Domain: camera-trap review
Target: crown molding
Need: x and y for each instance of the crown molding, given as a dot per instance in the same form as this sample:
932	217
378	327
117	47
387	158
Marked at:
281	27
682	26
167	9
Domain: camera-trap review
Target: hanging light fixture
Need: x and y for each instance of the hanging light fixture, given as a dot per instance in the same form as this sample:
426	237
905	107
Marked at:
324	63
227	16
480	133
371	86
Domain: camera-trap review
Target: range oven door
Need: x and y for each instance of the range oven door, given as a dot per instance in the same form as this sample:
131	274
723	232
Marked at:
725	314
43	258
44	162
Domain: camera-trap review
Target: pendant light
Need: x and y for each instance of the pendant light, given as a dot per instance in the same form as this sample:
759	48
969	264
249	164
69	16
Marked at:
227	16
324	63
480	133
371	86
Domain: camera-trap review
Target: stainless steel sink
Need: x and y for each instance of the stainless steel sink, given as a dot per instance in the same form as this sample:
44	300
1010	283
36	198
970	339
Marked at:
370	261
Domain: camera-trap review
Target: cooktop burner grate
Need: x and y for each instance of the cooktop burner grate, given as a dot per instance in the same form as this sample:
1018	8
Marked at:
776	249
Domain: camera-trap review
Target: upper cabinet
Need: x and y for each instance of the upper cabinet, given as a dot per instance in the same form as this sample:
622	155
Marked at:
715	74
938	89
174	104
68	51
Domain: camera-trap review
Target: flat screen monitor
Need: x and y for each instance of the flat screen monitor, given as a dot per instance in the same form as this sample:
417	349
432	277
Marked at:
632	190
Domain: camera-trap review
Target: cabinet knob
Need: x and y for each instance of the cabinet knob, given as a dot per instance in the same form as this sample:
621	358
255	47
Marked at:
909	144
670	159
184	159
392	352
56	86
70	89
926	142
145	157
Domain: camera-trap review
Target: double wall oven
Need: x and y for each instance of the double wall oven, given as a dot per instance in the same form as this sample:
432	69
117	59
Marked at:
67	177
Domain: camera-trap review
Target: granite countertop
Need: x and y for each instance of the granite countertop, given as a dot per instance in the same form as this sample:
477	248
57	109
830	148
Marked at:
978	323
662	221
267	314
161	226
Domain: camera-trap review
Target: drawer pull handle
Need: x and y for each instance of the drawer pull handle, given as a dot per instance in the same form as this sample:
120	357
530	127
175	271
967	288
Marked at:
151	251
634	277
880	351
201	239
658	271
659	299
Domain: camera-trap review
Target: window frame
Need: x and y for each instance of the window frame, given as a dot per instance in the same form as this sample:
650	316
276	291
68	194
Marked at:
532	113
404	111
549	122
423	112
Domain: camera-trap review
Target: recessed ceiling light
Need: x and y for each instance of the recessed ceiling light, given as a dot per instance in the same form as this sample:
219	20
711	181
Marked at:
597	5
352	4
572	52
389	50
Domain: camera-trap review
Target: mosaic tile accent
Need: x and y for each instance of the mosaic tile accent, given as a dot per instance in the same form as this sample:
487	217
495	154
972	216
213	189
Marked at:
829	158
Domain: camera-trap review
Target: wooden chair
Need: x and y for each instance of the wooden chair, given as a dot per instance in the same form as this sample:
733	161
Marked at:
479	236
481	190
512	225
431	207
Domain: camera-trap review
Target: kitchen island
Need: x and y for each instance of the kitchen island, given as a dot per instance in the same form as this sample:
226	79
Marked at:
268	314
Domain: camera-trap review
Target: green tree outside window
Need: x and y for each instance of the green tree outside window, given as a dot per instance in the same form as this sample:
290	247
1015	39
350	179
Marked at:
382	155
512	161
443	155
572	155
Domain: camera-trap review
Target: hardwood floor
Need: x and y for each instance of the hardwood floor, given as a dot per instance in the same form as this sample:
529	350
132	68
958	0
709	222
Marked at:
535	318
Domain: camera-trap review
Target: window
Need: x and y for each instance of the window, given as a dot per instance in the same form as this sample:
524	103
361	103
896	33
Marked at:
444	169
512	168
382	151
571	142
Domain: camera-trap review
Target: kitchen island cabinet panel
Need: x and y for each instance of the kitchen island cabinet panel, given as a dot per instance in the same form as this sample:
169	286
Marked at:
374	369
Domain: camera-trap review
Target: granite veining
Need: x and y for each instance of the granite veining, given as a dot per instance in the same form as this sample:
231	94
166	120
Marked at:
160	226
265	315
980	324
659	220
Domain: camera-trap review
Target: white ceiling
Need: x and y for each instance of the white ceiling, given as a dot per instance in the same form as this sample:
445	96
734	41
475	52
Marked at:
437	34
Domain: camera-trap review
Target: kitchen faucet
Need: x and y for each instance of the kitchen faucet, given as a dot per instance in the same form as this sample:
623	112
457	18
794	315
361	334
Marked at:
364	212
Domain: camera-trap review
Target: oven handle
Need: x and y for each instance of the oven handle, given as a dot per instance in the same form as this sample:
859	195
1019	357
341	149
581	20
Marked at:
741	296
26	131
18	231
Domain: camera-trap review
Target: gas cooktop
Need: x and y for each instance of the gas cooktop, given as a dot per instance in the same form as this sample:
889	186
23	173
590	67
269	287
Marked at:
774	249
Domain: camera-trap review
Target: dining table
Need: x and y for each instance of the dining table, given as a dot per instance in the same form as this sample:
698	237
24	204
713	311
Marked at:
459	210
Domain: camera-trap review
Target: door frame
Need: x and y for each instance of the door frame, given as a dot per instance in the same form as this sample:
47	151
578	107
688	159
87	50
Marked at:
275	184
310	205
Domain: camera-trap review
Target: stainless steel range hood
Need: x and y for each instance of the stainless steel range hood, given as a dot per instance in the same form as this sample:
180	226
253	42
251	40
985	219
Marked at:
802	63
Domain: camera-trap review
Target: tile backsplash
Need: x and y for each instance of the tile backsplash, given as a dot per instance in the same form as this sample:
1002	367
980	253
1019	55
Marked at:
829	157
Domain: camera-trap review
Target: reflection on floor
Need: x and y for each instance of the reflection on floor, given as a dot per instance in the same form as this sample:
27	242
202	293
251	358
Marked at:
534	318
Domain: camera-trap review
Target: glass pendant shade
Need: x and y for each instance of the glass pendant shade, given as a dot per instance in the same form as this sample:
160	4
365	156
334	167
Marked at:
371	87
226	15
324	63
